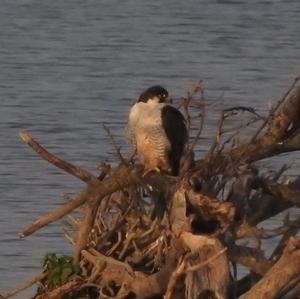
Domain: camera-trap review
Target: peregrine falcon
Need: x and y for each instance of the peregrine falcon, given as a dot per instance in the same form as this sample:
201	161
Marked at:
158	131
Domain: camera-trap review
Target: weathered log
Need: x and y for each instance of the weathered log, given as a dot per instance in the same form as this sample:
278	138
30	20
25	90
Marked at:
286	269
293	290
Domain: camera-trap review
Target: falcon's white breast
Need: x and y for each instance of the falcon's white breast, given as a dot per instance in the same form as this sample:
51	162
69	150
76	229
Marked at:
146	133
158	131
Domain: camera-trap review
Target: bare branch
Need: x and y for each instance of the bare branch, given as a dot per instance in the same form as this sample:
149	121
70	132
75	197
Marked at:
114	143
71	169
24	286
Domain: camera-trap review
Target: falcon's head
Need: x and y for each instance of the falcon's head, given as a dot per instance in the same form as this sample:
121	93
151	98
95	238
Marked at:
155	93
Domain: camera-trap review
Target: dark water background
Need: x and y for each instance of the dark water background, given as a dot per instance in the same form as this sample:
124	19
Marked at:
67	66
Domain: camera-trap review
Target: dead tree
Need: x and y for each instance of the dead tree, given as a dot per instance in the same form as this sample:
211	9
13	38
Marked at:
122	250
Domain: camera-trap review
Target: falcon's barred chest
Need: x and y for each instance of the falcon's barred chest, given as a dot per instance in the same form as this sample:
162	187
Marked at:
157	130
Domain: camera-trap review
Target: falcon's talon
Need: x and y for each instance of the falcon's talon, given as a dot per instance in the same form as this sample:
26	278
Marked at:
150	188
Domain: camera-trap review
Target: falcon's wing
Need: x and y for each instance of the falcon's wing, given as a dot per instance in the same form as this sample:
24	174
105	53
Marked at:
130	129
174	125
130	133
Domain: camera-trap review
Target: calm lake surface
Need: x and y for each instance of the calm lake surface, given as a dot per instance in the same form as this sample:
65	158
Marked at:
68	66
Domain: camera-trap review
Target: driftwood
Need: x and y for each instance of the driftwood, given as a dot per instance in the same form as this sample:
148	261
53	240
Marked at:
277	278
123	249
23	287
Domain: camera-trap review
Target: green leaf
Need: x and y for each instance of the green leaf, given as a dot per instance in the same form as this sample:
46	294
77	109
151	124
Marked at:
56	280
59	269
65	274
54	273
50	261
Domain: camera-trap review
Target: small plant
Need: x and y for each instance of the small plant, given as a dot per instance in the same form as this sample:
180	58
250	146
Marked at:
59	269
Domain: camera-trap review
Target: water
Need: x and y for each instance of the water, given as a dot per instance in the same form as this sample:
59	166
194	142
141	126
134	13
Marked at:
67	66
